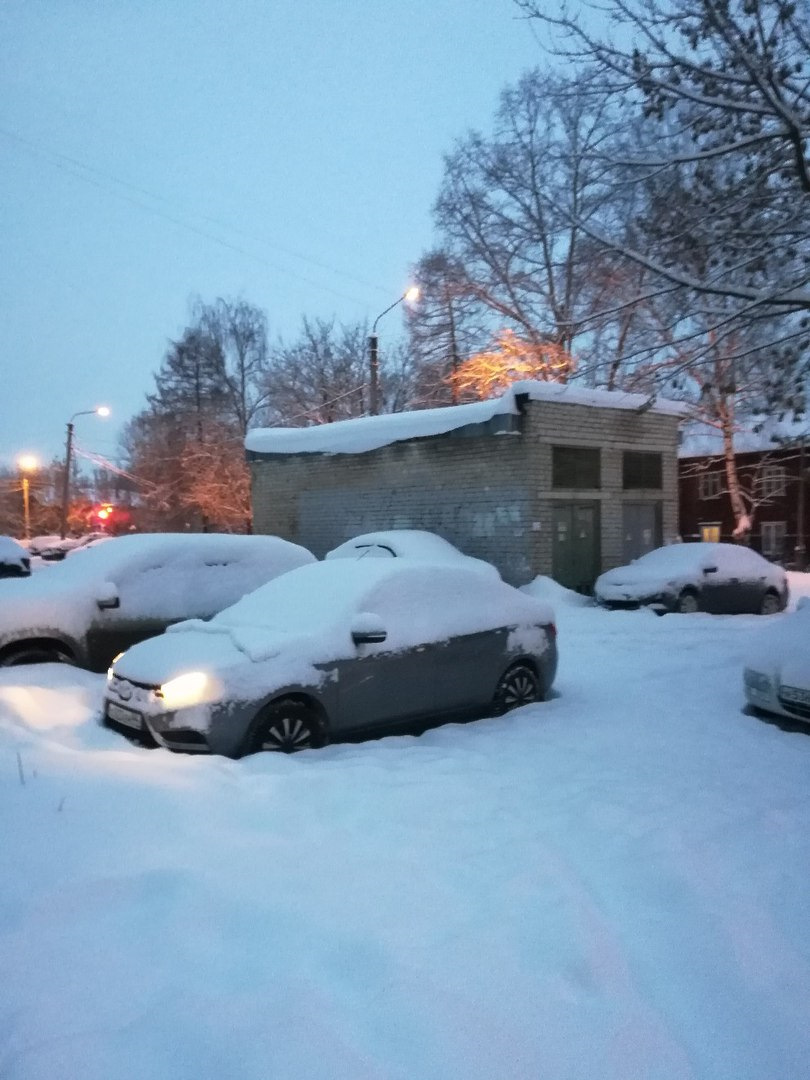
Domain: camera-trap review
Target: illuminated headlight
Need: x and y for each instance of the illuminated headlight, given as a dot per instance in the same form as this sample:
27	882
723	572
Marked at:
185	690
115	660
757	681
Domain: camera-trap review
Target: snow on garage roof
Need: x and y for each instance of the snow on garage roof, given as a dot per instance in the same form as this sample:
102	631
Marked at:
759	434
371	432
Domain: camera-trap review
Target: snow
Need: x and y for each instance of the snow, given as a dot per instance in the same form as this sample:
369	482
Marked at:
366	433
753	434
609	885
402	543
12	553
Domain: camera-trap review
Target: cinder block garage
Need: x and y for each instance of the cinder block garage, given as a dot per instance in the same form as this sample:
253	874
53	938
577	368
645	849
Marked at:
548	479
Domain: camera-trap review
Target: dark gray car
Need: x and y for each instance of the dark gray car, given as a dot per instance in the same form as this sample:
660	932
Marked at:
338	649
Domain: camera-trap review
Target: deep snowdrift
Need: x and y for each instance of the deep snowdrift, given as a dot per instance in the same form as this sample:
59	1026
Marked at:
610	885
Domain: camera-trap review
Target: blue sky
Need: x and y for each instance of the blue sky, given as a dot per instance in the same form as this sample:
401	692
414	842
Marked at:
154	150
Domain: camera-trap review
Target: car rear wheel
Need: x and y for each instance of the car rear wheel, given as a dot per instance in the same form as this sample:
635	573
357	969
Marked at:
36	654
286	727
771	604
687	603
518	686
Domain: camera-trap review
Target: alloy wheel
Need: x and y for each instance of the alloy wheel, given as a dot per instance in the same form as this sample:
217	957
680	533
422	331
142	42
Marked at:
519	686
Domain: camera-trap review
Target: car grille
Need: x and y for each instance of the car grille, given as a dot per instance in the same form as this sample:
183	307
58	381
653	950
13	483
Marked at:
132	692
795	700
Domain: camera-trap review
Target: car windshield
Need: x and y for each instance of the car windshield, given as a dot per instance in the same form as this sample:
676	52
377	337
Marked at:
320	594
676	557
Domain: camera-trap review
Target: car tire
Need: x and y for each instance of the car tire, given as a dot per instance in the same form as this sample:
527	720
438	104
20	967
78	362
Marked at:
36	654
687	603
518	686
285	727
771	604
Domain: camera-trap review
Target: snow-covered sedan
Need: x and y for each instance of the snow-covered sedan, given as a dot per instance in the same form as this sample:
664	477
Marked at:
338	648
776	676
724	579
14	559
88	609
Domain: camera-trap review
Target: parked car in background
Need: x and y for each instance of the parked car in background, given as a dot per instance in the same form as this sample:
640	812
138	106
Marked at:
87	609
403	544
338	648
60	548
14	559
776	677
724	579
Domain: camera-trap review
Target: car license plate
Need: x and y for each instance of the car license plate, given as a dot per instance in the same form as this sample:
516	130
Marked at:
124	716
795	693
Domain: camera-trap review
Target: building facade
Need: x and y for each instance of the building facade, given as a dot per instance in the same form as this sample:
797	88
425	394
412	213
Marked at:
547	481
773	482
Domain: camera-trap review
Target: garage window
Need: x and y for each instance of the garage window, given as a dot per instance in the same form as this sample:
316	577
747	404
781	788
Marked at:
641	469
575	467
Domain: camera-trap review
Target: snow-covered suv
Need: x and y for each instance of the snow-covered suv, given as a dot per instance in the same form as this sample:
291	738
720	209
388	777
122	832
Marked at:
87	610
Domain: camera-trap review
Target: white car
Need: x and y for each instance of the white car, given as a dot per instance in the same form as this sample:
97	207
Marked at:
404	544
86	610
776	676
724	579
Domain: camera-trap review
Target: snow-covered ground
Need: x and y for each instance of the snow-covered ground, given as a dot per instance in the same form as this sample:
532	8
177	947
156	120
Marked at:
609	886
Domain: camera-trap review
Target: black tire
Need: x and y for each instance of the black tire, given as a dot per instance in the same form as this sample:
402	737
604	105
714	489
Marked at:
36	654
286	727
519	686
771	604
687	603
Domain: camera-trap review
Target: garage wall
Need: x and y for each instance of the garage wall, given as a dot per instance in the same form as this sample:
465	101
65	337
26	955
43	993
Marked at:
487	491
471	490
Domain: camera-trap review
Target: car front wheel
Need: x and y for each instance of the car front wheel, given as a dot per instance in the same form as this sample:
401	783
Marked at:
687	603
35	654
771	604
286	727
518	686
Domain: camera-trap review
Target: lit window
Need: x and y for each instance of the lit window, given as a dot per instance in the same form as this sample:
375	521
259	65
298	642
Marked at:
710	534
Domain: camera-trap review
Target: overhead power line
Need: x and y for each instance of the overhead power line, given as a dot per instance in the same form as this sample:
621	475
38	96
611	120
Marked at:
98	178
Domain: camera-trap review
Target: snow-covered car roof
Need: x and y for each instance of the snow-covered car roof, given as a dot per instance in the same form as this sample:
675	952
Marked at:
307	613
66	594
403	543
680	557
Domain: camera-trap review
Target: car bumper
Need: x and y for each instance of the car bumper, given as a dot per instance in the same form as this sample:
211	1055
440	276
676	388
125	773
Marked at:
619	601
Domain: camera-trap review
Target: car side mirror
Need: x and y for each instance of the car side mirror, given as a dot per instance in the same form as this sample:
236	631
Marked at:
107	596
709	569
367	629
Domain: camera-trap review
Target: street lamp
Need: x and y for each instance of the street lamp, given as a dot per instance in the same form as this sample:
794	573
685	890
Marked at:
27	463
410	295
101	410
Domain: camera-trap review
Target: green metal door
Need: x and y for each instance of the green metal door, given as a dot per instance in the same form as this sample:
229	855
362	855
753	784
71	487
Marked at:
575	553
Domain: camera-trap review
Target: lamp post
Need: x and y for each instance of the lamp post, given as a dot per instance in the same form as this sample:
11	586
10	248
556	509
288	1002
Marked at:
410	295
27	463
101	410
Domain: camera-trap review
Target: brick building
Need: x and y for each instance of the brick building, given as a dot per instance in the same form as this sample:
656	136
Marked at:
772	458
549	479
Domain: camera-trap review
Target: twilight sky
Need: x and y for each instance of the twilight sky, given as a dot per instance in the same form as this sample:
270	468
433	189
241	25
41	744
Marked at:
287	151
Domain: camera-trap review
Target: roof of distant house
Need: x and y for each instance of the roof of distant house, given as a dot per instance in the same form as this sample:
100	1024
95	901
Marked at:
366	433
755	434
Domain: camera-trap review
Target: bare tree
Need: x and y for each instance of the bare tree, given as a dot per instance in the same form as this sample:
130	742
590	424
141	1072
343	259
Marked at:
724	89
